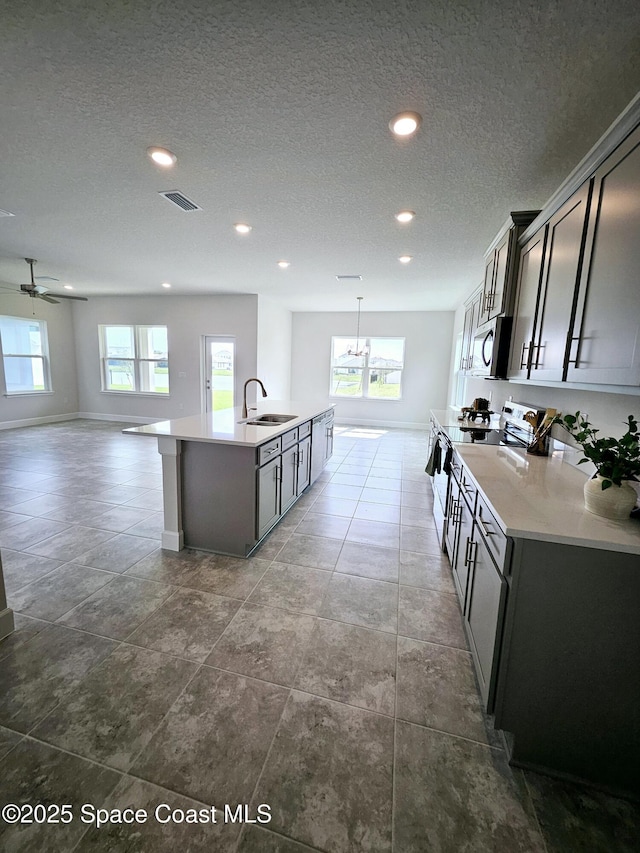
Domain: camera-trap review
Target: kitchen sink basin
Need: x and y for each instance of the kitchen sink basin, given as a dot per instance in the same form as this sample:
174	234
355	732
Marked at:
271	420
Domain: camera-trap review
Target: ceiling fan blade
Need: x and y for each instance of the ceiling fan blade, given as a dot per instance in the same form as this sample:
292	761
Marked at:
48	299
66	296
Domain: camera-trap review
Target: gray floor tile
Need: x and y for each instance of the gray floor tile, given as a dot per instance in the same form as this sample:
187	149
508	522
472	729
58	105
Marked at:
25	629
378	512
10	498
292	588
335	506
159	835
380	496
437	688
432	616
335	490
119	608
360	601
37	674
20	569
393	484
352	665
22	536
36	773
422	540
119	518
416	517
44	504
187	625
329	526
152	527
59	591
582	820
10	519
151	499
374	533
428	571
256	839
343	478
118	553
328	777
78	512
454	795
113	713
315	552
229	576
265	643
369	561
213	742
168	566
417	500
8	739
70	543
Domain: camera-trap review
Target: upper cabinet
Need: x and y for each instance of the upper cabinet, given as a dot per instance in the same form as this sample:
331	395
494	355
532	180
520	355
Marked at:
471	317
605	345
500	265
577	300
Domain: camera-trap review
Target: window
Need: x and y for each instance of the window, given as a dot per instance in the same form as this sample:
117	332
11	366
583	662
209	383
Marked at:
135	359
25	355
376	374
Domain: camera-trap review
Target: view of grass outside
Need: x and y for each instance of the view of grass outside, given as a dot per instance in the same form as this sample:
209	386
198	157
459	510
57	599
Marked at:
222	397
121	379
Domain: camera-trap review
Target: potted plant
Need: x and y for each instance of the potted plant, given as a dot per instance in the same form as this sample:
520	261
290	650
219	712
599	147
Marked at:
617	460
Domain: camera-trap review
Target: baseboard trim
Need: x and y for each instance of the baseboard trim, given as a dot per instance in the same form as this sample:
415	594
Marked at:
136	419
7	625
47	419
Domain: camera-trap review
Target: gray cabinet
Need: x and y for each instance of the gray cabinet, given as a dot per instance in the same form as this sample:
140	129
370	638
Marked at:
606	333
268	498
289	474
561	268
529	277
471	319
303	463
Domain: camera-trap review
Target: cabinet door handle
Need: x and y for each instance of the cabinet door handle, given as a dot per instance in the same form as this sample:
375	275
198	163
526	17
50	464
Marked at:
485	527
472	558
466	552
300	457
524	359
574	360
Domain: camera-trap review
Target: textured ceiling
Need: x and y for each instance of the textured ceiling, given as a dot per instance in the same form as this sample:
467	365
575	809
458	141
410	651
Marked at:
278	112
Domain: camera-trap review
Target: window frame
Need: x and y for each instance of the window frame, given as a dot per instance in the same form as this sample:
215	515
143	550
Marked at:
43	357
138	360
366	368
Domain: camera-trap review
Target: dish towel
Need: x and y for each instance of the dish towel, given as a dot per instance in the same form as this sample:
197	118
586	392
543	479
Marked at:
434	464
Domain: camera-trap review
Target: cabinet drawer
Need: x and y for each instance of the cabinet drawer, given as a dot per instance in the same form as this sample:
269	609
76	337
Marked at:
289	438
269	450
304	429
494	537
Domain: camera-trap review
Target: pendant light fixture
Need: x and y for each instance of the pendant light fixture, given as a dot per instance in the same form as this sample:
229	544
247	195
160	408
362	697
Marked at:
358	350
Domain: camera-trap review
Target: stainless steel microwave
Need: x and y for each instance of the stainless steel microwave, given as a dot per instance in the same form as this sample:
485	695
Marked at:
490	349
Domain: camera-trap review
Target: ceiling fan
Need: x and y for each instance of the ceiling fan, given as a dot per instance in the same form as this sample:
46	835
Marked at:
37	291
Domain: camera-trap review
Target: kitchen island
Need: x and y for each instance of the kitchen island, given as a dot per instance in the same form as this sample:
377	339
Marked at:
228	480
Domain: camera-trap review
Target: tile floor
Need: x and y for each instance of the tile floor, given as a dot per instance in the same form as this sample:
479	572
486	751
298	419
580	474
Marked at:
328	676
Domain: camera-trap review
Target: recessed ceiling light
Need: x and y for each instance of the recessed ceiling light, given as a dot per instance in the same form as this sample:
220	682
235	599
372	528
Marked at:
166	284
162	156
405	216
284	264
242	227
405	259
68	286
404	124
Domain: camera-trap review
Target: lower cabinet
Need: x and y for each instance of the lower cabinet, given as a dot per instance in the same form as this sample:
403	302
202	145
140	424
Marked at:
289	493
460	562
268	483
485	600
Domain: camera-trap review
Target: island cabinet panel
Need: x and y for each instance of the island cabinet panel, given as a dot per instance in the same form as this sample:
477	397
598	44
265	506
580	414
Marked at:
218	497
289	485
529	277
304	465
606	334
561	269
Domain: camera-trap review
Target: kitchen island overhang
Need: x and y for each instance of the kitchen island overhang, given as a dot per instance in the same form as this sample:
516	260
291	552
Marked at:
227	482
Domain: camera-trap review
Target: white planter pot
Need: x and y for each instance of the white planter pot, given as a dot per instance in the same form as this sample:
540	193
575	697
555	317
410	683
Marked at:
614	502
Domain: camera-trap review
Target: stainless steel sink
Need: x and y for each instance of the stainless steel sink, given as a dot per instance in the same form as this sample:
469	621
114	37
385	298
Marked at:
271	420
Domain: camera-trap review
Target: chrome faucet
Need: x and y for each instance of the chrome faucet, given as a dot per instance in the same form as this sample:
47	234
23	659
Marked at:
244	394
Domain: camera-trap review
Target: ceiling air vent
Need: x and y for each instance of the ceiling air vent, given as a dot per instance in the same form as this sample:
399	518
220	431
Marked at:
180	200
349	277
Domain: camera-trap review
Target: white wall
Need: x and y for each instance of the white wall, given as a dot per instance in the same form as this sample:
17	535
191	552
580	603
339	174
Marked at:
426	374
15	410
187	318
274	348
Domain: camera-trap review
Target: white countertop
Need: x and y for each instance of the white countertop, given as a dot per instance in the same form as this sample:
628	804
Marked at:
223	427
537	497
